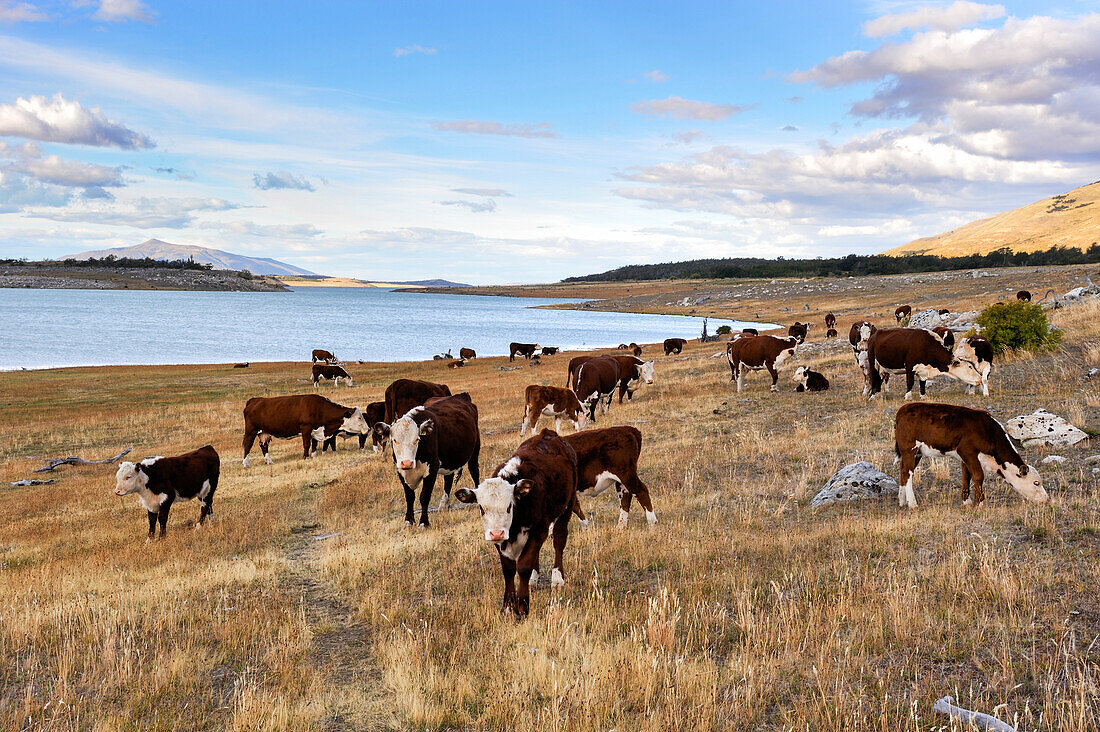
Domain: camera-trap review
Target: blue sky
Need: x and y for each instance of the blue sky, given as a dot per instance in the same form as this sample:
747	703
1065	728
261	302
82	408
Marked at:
524	142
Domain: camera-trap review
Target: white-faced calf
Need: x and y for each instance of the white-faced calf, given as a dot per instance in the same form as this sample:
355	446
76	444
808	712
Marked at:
160	481
971	436
809	380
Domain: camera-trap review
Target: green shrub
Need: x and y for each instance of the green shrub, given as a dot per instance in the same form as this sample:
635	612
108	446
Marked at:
1018	326
724	330
244	274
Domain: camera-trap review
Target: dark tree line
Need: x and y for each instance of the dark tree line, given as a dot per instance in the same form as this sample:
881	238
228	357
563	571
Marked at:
117	262
855	265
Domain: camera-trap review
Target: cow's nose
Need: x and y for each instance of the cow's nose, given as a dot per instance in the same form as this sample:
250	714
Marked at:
118	491
649	381
406	464
496	536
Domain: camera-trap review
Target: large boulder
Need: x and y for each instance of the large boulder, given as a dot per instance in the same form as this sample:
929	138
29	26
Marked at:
926	319
854	482
1043	428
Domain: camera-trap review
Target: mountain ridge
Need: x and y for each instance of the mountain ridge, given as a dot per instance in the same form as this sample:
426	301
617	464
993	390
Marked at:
218	258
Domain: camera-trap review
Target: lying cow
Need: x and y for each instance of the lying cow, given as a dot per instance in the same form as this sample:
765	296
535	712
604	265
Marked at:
551	401
830	321
973	437
323	355
466	353
632	372
608	458
674	345
799	331
534	490
309	415
523	349
373	413
978	351
758	352
918	354
902	312
160	481
809	380
437	439
328	371
946	335
594	382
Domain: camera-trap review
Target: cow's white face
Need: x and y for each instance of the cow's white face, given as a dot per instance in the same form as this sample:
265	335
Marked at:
965	371
405	436
356	423
864	336
129	479
799	374
646	371
579	417
1026	481
496	498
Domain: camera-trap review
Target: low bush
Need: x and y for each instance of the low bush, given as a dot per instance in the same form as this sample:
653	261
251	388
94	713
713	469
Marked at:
1011	326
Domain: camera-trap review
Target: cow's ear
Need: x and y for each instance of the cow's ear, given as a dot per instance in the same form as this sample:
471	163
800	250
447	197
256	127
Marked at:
523	487
426	427
465	495
381	429
1023	469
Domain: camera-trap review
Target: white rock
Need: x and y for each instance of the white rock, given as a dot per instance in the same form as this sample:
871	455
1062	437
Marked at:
854	482
1053	460
926	319
1043	428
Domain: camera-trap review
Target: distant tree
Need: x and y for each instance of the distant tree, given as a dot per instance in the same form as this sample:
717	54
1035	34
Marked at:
724	330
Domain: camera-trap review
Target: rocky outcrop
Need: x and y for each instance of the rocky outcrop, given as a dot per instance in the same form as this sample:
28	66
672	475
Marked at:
1043	428
854	482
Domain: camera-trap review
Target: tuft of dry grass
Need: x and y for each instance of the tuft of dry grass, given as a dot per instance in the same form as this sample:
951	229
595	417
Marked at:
742	608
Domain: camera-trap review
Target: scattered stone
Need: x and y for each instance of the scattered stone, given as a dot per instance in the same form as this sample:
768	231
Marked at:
1092	372
854	482
1053	460
926	319
980	273
1043	428
1092	459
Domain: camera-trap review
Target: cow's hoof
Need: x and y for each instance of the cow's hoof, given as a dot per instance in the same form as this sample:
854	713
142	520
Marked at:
968	502
534	580
775	389
651	518
244	463
623	518
908	396
408	523
584	523
556	578
269	461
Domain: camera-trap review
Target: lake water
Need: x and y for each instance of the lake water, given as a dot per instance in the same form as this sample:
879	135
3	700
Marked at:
50	328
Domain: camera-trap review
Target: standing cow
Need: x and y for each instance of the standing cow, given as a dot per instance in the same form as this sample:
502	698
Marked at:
674	345
160	481
978	351
320	354
523	349
328	371
632	372
594	382
758	352
860	332
799	331
830	321
903	312
309	415
608	458
551	401
918	354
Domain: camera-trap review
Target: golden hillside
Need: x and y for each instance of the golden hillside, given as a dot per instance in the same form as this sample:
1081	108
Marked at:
1069	219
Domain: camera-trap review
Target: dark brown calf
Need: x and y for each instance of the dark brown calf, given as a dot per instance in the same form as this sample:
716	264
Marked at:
1023	296
309	415
758	352
523	349
830	320
594	381
160	481
799	331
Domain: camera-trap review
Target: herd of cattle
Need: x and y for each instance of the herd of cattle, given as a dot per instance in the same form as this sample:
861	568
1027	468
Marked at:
429	432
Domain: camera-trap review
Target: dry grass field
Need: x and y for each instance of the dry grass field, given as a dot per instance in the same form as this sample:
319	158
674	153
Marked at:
741	609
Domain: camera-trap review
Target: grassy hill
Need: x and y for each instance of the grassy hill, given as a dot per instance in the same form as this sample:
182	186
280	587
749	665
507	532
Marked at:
1069	219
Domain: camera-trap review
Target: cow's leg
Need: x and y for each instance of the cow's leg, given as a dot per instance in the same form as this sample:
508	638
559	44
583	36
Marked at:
625	497
246	443
910	456
976	477
576	508
526	424
775	374
922	382
557	424
152	526
965	494
445	501
426	488
265	445
410	497
910	377
740	377
886	382
508	569
162	517
733	369
307	441
622	392
561	535
528	561
641	492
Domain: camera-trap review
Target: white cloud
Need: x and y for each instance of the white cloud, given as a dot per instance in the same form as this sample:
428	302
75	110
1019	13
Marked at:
959	14
655	76
281	180
119	11
17	12
680	108
686	137
279	231
52	169
788	128
62	120
409	50
18	192
475	206
484	127
143	213
487	192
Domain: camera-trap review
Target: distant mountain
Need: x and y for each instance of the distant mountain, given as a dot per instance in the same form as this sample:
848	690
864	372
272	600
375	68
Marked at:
157	249
433	283
1067	220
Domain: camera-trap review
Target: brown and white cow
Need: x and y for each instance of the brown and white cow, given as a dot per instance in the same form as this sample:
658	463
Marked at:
608	458
809	380
551	401
1023	296
466	353
528	494
830	320
632	372
373	413
758	352
439	438
674	345
161	481
902	312
594	383
971	436
858	335
918	354
328	371
946	336
978	351
523	349
309	415
401	396
799	331
320	354
575	362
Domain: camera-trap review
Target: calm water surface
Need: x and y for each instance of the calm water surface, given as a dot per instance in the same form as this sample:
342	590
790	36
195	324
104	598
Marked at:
49	328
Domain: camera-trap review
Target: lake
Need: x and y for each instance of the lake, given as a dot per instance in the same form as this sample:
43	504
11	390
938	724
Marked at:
51	328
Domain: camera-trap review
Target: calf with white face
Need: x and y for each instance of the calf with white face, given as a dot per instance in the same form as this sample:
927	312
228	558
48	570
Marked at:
160	481
532	491
643	373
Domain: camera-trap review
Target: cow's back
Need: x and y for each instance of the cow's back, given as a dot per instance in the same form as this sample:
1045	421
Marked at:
284	415
897	347
404	394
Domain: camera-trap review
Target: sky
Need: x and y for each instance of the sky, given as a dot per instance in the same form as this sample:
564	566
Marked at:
502	142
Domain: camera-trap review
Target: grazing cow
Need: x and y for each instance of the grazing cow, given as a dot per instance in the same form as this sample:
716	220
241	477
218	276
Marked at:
750	331
323	355
830	320
523	349
609	457
758	352
526	496
632	372
241	365
799	331
595	379
439	438
637	350
373	413
1023	296
466	354
456	364
902	312
810	380
328	371
946	335
971	436
549	350
551	401
978	351
674	345
309	415
918	354
860	332
160	481
831	333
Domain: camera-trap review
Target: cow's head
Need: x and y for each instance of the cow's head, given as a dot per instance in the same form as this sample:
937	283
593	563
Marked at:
964	371
576	414
405	436
865	331
1026	481
380	436
646	371
496	498
354	422
129	479
799	374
